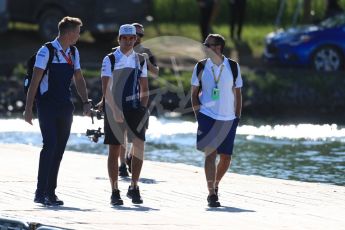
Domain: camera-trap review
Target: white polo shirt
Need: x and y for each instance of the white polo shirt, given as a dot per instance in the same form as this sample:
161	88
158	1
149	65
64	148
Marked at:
43	56
224	107
122	61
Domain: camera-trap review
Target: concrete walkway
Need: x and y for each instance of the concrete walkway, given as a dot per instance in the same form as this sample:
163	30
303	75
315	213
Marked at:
174	197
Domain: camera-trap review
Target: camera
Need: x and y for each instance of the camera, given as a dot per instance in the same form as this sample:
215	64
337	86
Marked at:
94	134
96	113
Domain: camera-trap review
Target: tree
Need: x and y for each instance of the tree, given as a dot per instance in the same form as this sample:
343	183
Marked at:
306	11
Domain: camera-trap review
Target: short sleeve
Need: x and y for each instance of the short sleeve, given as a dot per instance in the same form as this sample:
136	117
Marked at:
42	57
144	70
195	80
76	60
239	81
106	68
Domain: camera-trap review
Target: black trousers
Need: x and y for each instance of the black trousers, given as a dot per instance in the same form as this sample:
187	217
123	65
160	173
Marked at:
205	18
237	13
55	123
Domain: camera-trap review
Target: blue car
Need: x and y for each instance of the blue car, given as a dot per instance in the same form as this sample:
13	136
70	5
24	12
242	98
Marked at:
321	46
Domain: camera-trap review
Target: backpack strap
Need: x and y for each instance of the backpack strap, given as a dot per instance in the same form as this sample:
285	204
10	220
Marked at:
199	70
141	60
51	50
234	69
73	48
200	66
111	57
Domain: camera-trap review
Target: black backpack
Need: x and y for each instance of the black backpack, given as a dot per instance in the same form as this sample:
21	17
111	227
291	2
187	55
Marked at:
201	65
31	62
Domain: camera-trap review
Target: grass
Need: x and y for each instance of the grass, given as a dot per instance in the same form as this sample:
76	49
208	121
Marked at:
253	35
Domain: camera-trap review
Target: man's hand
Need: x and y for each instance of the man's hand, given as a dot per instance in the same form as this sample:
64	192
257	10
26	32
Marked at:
100	105
119	116
28	116
146	56
87	109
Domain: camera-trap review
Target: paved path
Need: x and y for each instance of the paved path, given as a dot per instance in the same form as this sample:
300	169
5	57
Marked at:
174	197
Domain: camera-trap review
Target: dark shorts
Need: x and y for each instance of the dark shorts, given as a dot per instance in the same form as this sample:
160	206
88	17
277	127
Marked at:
216	135
135	124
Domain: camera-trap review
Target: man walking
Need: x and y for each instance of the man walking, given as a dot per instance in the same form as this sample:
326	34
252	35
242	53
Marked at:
216	84
125	93
153	69
54	105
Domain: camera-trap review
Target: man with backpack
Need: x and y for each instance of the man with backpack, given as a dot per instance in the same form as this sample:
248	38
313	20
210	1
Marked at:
217	104
55	65
125	98
153	69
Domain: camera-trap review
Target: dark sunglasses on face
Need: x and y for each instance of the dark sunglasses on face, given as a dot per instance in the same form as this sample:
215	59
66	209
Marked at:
208	45
140	35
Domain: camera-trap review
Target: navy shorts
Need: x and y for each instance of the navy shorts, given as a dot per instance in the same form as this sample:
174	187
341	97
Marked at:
216	135
135	124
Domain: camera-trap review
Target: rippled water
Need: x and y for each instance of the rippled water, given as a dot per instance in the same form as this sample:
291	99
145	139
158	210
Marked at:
302	152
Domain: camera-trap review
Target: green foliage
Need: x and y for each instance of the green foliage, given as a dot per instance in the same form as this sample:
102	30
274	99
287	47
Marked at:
258	11
89	73
19	71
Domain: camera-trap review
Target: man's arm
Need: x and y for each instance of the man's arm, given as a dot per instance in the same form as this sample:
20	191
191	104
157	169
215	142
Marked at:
238	102
154	69
30	97
195	100
80	85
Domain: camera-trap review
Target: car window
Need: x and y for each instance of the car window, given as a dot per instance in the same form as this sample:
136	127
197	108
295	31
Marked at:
335	21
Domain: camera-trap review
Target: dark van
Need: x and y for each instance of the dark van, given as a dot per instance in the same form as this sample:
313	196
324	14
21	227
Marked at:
101	17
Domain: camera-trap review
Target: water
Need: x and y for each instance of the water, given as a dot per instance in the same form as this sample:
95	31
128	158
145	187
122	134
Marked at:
304	152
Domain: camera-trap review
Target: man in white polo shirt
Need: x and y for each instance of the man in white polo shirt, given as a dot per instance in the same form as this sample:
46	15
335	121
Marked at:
125	93
218	111
50	90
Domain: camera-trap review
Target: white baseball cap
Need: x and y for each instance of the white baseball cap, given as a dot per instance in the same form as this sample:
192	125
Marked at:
127	29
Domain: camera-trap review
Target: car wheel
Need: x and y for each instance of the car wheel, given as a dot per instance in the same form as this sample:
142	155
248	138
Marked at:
48	24
327	58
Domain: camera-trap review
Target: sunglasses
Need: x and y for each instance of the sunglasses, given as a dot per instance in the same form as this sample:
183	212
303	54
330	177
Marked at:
208	45
140	35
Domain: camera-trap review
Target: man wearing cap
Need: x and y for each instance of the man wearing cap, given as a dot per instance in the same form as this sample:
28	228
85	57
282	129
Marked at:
146	52
125	93
153	70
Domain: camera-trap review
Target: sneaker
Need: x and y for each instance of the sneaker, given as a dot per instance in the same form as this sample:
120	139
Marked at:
52	200
134	194
129	162
123	171
115	198
39	198
213	201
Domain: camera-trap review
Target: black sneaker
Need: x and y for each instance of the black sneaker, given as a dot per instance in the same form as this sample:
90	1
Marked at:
134	194
213	201
123	171
52	200
115	198
39	198
129	162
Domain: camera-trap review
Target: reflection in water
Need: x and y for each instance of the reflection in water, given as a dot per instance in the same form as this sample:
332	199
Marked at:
299	152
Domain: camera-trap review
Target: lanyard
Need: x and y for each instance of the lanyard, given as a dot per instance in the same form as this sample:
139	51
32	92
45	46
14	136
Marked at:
68	59
216	80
